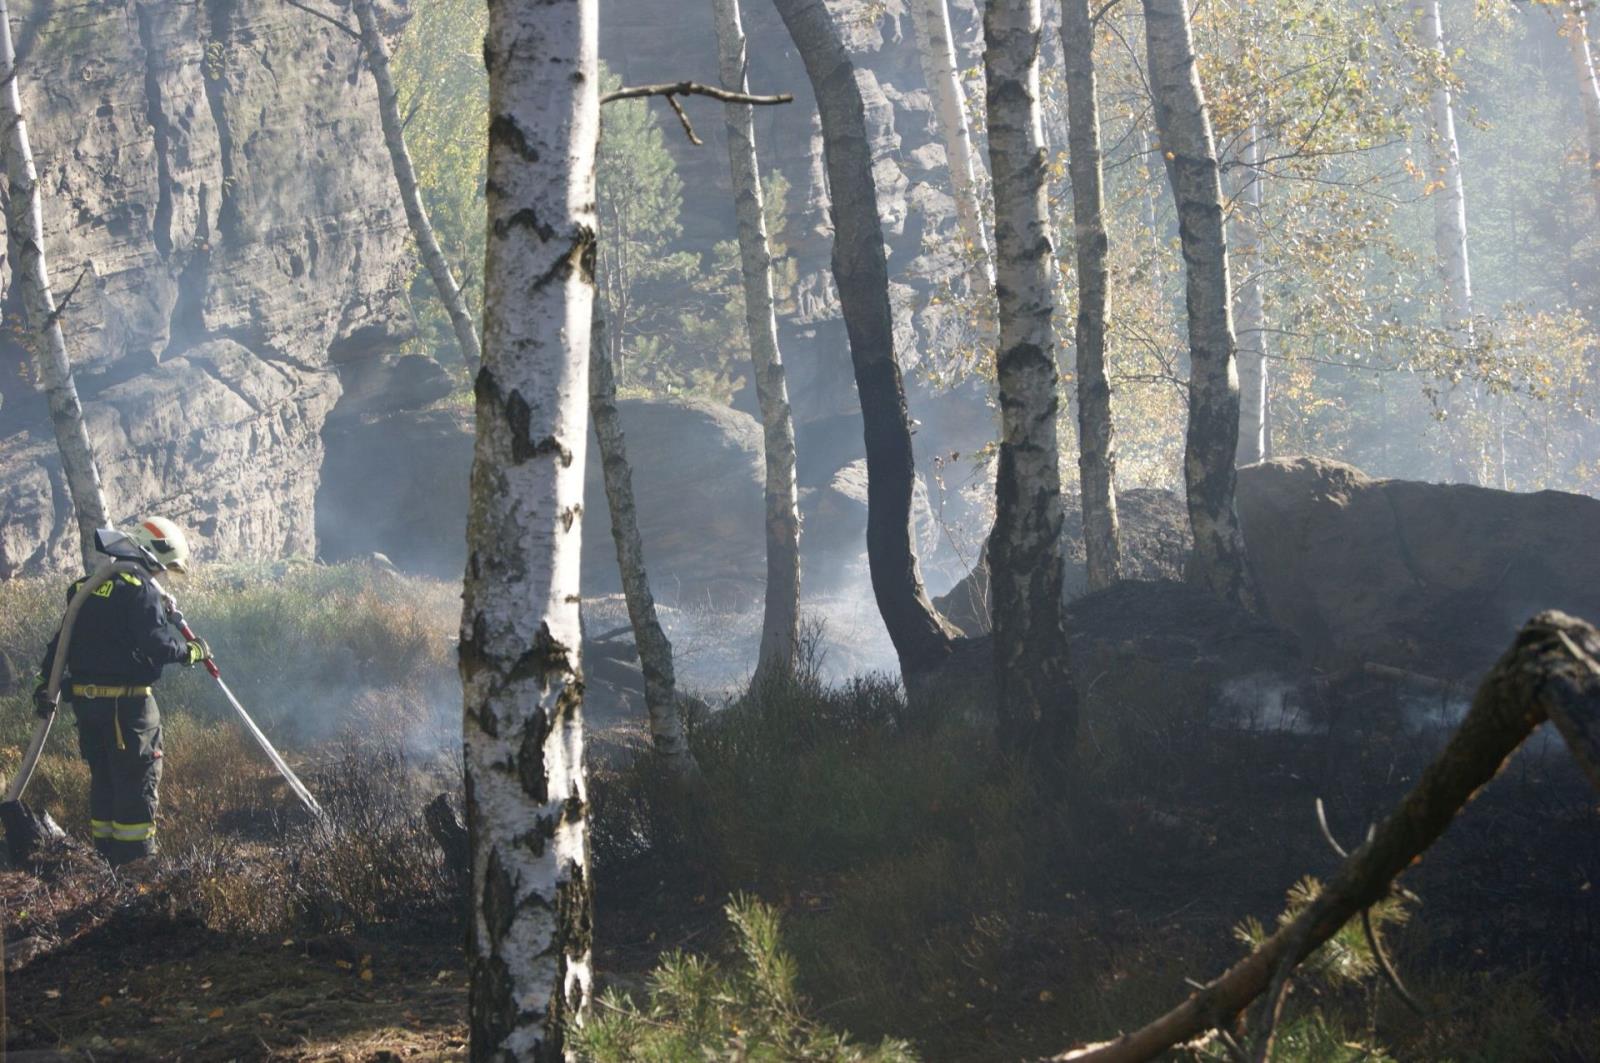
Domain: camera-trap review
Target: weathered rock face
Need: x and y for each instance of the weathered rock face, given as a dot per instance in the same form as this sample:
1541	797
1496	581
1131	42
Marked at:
1155	546
648	41
1435	578
697	475
396	484
214	174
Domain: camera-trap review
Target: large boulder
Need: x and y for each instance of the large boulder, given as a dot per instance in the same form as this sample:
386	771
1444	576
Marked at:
697	485
218	194
1155	543
1434	578
396	484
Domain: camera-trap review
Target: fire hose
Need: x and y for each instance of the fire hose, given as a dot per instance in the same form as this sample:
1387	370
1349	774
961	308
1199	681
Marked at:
143	567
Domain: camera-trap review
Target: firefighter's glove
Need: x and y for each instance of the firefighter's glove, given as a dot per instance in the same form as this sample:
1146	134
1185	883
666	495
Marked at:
198	651
43	705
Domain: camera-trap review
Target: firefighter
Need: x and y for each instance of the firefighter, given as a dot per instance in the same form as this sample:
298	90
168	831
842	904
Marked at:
121	640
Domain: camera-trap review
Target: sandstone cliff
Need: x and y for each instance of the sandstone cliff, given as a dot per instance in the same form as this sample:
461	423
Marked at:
217	189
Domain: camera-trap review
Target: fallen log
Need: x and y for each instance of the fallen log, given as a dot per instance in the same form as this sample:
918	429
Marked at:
1551	672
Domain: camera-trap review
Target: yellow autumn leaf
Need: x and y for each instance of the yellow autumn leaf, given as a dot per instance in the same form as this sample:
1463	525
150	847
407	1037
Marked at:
366	974
214	1013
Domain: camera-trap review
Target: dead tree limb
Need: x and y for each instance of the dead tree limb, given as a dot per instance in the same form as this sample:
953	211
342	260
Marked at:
1551	672
694	88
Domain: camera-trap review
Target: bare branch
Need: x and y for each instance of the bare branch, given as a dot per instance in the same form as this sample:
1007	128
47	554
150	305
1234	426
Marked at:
683	118
1549	673
689	88
61	307
329	19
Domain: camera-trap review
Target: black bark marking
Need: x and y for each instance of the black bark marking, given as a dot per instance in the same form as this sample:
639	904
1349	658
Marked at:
504	131
519	415
531	771
499	897
526	218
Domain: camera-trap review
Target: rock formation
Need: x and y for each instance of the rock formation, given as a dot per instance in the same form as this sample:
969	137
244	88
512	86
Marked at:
218	195
1432	578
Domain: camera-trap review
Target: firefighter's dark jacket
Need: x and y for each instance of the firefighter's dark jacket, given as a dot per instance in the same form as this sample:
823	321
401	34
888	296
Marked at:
123	635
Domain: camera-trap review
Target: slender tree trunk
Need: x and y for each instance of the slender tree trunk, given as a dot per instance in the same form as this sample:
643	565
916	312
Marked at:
655	651
455	304
1209	468
1249	305
1450	244
780	626
930	19
921	637
531	902
1097	455
25	227
1577	34
1450	201
1036	701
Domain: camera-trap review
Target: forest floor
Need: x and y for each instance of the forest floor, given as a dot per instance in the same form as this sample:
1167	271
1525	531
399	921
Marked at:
109	974
927	890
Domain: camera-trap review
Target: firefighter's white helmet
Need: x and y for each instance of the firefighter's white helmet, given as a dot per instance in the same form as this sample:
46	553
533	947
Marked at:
165	540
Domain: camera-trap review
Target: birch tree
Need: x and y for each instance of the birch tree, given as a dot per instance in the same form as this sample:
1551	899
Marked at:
655	650
922	639
531	903
1210	471
1576	30
930	22
1097	462
780	626
405	176
1449	197
1450	240
25	232
1249	303
1030	643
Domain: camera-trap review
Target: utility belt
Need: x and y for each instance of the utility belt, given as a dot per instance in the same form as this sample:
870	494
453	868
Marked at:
102	690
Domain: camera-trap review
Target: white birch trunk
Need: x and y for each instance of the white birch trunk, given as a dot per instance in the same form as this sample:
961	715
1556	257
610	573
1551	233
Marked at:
1036	700
1577	34
1249	304
1209	470
1097	455
531	903
26	233
780	627
930	20
655	650
1450	200
1466	457
405	175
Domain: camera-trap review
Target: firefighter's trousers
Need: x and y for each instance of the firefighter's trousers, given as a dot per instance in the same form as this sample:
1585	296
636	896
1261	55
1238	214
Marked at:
121	740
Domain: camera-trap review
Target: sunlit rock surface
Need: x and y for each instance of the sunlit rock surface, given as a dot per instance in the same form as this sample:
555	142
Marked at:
219	202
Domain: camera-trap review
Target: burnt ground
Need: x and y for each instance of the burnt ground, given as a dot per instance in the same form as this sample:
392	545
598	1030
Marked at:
1135	887
102	969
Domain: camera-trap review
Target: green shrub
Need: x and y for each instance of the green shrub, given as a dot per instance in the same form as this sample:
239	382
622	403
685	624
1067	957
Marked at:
698	1011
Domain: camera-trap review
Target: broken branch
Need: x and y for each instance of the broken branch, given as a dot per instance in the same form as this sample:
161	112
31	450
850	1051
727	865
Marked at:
1549	673
694	88
329	19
